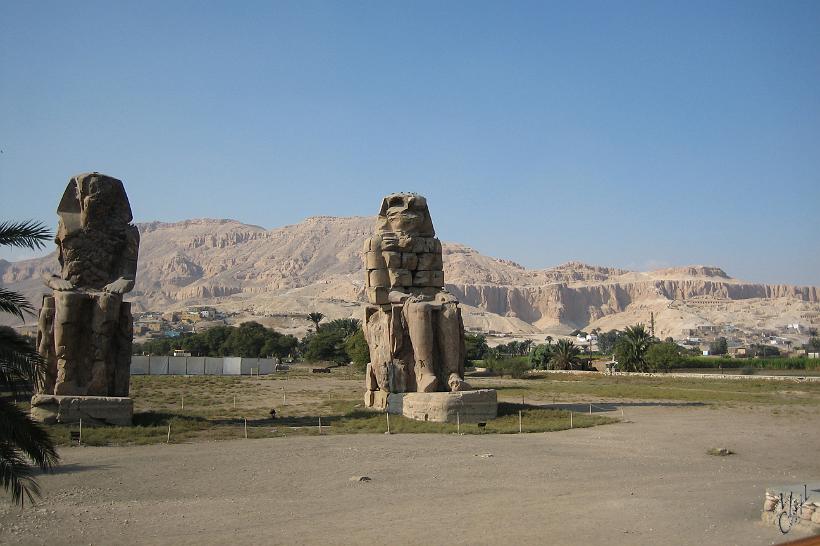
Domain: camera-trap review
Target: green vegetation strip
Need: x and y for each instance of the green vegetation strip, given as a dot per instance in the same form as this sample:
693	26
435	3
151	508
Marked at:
209	412
658	388
152	427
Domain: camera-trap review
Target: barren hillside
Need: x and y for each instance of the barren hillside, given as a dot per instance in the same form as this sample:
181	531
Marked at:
316	265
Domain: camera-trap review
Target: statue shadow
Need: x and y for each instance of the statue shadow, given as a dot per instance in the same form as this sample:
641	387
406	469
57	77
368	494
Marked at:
604	407
161	418
294	421
72	468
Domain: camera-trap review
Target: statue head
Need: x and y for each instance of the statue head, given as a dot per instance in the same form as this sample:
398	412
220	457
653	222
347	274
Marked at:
406	214
94	201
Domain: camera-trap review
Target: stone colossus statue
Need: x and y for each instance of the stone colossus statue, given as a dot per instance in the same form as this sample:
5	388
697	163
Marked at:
412	324
85	329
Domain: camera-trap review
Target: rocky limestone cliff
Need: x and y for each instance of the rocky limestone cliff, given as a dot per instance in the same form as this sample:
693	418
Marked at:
317	264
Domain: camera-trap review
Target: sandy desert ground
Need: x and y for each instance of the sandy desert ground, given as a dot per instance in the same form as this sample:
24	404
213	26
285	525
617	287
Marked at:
644	481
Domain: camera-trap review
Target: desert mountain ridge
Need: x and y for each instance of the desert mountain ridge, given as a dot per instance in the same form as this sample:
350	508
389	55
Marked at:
316	265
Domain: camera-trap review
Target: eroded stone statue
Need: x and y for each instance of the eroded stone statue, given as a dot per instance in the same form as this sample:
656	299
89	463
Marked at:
85	327
412	324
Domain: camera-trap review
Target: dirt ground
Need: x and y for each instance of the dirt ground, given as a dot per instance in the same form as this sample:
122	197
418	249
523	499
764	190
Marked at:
644	481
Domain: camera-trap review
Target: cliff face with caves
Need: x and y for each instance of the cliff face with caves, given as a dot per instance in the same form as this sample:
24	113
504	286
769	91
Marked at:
317	265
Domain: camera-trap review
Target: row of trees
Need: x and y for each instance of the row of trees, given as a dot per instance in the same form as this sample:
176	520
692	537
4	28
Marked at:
340	341
249	339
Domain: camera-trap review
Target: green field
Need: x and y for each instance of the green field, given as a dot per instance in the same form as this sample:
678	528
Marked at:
218	407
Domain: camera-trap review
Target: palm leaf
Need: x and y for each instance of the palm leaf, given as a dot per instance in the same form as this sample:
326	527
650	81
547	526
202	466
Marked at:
26	234
28	437
17	475
18	361
14	303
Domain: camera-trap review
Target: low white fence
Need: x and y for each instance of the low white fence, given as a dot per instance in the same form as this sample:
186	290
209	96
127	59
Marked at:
201	365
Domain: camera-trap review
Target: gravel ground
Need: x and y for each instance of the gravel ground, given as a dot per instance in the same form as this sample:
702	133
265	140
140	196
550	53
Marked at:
644	481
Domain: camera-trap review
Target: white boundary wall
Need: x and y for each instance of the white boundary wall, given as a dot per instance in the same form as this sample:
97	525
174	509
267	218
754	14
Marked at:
197	365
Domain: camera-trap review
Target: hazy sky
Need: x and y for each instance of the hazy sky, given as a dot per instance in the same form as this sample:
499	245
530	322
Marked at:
631	134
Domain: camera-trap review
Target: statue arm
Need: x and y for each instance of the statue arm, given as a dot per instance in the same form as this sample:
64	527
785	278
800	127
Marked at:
397	296
55	282
128	264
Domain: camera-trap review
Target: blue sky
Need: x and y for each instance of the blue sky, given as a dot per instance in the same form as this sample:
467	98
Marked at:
630	134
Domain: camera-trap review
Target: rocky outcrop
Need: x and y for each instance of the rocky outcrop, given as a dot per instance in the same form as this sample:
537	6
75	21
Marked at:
319	260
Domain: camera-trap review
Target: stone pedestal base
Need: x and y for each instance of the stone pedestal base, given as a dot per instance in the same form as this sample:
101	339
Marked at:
93	410
376	400
477	406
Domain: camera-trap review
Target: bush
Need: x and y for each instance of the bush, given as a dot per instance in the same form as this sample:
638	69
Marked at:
326	345
476	345
662	356
719	347
513	367
357	350
782	363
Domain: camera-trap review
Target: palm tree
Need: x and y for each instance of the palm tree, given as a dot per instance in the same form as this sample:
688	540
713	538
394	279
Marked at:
549	340
540	356
565	355
345	326
631	349
22	441
316	318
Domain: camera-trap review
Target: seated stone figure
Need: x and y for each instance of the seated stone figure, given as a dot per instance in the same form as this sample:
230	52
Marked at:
85	329
412	324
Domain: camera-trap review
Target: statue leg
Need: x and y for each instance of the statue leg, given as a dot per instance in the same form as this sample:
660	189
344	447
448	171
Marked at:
125	338
45	345
104	333
377	334
419	319
450	332
71	347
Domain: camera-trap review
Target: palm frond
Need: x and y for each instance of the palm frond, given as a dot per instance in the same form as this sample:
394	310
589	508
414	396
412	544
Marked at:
18	361
14	303
25	234
17	476
28	437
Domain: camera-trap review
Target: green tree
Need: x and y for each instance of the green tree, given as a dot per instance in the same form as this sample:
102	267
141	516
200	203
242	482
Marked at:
246	340
345	326
357	350
23	443
548	339
279	345
541	356
813	345
719	347
215	338
565	355
326	345
630	350
476	345
607	341
662	356
315	318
